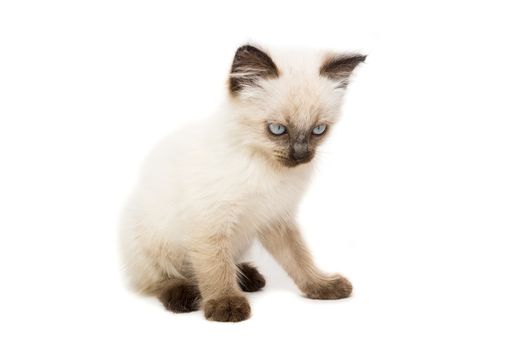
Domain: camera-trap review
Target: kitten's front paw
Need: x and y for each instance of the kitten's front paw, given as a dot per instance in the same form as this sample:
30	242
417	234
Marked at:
227	309
337	287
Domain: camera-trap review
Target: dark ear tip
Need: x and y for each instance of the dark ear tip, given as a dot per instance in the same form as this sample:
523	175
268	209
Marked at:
360	58
247	48
244	47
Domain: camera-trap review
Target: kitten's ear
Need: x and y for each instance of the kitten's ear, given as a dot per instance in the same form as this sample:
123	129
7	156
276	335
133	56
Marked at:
249	65
339	67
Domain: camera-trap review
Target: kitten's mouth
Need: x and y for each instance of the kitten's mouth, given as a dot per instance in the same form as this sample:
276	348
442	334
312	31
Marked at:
291	162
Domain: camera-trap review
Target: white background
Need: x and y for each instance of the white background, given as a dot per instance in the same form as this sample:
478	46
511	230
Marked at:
419	198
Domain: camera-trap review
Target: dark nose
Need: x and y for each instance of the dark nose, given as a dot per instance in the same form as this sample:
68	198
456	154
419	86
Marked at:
300	150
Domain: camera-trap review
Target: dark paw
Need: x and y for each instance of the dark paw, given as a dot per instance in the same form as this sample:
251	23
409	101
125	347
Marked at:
250	280
227	309
181	298
335	288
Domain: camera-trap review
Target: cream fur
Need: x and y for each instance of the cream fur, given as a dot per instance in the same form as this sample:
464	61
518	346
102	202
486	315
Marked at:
208	190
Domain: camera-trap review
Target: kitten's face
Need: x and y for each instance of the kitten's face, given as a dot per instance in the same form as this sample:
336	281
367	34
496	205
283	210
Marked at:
295	144
287	109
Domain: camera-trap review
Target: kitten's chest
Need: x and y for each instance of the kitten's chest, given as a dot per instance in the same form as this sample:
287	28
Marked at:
270	197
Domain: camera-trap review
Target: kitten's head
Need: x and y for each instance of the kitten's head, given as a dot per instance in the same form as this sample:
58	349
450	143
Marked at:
287	104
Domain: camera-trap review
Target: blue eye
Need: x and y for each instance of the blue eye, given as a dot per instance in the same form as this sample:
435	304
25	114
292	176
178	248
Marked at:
277	129
319	129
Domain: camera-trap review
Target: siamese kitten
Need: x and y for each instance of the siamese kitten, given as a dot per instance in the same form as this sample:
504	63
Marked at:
207	191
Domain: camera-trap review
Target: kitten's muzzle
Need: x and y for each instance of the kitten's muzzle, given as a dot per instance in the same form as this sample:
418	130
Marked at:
300	150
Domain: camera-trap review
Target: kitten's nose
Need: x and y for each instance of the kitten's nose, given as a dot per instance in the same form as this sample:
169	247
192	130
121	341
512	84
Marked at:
300	150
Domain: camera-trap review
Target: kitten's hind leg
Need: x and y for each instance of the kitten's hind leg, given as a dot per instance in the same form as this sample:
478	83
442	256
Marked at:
249	279
179	295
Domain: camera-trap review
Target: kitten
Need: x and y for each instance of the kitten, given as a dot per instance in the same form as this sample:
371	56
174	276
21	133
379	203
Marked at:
207	191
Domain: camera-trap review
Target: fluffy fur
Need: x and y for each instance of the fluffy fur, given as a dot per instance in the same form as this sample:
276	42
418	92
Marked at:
207	191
